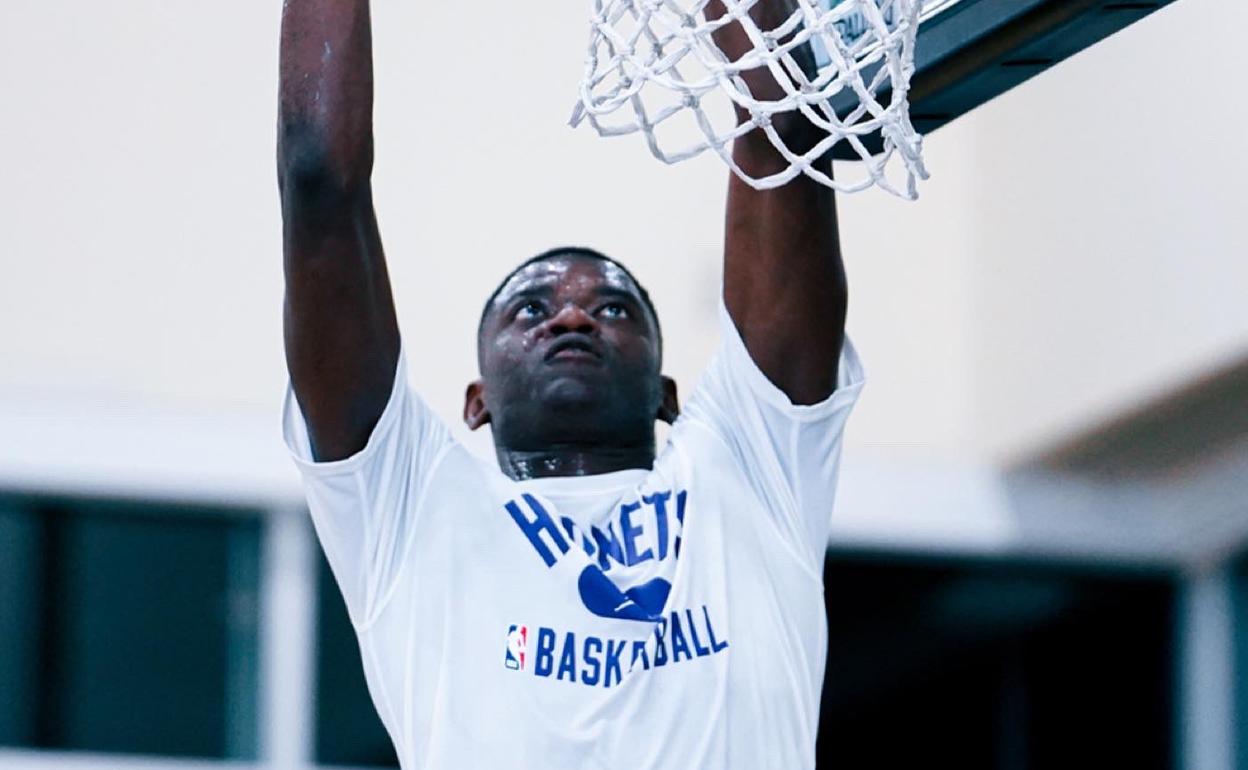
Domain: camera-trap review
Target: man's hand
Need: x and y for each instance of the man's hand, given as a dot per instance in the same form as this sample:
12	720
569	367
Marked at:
784	282
342	338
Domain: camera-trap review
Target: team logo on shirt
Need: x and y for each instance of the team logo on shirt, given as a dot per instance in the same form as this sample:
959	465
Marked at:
517	647
605	546
642	530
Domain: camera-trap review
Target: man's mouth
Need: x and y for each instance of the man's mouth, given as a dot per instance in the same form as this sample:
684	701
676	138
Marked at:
573	350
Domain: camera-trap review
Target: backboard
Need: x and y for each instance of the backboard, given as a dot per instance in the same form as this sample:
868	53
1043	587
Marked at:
971	51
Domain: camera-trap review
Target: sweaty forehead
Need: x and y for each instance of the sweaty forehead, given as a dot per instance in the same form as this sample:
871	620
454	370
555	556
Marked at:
567	273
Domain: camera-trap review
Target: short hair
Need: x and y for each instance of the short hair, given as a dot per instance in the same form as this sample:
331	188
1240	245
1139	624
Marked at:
570	251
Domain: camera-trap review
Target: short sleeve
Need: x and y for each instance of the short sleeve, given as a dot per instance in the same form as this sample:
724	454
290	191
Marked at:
789	454
365	507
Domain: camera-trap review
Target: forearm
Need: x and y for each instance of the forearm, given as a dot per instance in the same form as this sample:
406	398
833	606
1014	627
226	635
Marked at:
325	117
758	156
784	282
342	338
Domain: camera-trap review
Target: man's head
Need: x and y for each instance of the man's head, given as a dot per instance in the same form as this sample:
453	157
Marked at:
570	352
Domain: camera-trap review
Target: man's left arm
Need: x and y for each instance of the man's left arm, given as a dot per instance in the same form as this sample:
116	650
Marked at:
784	281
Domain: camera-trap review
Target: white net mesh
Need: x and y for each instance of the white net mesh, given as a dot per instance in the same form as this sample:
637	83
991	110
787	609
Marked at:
843	65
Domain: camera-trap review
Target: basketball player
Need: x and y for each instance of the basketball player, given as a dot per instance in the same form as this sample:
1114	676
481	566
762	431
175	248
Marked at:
585	602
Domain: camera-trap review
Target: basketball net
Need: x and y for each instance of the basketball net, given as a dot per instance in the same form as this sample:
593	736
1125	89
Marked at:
844	65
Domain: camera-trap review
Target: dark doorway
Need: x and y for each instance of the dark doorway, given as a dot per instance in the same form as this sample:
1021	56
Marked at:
996	666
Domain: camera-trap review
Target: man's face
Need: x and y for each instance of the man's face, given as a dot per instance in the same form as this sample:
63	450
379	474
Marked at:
569	355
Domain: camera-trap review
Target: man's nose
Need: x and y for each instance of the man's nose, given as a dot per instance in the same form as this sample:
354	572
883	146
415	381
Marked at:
573	318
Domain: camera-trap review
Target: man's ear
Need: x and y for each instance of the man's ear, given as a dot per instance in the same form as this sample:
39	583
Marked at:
475	413
669	407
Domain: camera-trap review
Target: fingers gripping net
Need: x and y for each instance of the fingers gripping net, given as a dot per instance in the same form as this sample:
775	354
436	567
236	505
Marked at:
842	65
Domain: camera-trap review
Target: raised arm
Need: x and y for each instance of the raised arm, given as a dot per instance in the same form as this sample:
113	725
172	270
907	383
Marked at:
342	338
784	282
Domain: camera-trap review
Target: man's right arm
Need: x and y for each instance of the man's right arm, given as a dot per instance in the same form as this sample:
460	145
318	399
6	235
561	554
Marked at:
342	337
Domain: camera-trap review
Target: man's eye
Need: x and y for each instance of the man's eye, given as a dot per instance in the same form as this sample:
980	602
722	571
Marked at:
529	310
614	310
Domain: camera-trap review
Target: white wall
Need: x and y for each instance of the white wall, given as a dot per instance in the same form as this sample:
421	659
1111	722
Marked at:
139	234
1110	254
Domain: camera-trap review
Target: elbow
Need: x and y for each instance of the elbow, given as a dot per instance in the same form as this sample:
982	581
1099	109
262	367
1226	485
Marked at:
311	173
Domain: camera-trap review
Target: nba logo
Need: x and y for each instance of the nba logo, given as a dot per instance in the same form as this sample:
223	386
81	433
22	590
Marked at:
517	647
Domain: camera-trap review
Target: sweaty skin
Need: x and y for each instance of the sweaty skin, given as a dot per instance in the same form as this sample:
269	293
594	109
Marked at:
784	281
570	371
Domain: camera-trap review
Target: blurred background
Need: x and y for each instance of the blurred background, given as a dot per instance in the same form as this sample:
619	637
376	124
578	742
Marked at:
1039	558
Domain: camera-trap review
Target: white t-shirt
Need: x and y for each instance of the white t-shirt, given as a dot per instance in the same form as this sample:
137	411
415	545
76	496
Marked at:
663	618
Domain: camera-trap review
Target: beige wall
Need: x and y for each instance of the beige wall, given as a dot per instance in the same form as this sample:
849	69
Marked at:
1111	257
1076	247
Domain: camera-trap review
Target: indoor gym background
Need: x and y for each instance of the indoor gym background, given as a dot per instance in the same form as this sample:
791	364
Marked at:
1038	559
